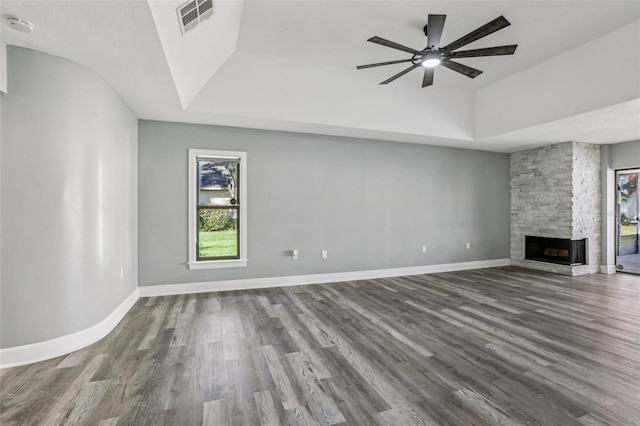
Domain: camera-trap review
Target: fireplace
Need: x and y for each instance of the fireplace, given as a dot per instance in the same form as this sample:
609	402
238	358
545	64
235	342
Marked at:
562	251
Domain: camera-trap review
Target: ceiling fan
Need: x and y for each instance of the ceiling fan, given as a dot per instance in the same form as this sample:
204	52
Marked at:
434	55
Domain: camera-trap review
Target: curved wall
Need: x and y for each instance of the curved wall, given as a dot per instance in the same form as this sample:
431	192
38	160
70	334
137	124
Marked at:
69	200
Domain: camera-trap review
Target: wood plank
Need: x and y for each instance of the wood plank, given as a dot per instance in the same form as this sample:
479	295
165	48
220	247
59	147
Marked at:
320	370
321	405
215	413
269	413
288	393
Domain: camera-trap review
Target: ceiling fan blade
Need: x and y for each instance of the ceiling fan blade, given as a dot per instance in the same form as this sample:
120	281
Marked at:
400	74
489	51
384	42
379	64
462	69
493	26
435	24
427	80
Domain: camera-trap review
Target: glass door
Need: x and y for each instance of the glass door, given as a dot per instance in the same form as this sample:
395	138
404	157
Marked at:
628	212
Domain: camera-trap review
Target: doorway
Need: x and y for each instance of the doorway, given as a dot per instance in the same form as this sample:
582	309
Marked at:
627	214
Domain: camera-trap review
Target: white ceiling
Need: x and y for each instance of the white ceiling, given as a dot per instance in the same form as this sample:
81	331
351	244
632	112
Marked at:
290	65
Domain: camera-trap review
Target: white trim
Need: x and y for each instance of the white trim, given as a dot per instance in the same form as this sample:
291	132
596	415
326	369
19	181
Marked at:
3	67
193	263
253	283
213	264
607	269
35	352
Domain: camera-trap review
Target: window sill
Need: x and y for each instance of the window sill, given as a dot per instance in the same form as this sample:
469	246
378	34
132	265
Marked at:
217	264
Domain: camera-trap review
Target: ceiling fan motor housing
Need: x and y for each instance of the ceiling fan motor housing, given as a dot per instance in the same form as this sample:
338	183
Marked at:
428	55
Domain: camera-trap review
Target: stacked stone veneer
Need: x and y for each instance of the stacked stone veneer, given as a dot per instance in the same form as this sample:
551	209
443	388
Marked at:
555	192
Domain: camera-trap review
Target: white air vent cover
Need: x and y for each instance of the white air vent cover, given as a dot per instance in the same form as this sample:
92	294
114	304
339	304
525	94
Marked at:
193	13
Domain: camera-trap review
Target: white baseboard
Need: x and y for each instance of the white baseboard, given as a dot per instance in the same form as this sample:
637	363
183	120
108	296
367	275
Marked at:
607	269
254	283
28	354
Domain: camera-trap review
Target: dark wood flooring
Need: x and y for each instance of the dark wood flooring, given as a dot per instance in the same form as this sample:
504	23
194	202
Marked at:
490	346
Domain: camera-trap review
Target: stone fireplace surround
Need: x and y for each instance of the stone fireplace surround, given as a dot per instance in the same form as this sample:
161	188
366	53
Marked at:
555	193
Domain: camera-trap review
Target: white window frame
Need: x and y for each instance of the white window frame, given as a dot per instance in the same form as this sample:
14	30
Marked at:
194	263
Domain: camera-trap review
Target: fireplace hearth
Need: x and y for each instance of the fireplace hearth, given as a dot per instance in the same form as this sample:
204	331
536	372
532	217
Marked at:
562	251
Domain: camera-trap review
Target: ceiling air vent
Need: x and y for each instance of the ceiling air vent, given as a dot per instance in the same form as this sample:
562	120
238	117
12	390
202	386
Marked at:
193	13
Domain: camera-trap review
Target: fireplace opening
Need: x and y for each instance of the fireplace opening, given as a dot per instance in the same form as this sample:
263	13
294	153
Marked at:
562	251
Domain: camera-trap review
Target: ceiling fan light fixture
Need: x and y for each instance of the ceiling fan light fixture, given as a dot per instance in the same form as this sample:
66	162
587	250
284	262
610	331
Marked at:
431	59
434	55
430	63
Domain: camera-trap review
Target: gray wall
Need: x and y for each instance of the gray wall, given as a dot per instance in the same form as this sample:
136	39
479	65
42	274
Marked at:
624	155
69	199
613	157
371	204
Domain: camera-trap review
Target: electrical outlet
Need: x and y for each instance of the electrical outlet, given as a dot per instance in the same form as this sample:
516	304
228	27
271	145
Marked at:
325	254
424	249
294	254
468	246
121	272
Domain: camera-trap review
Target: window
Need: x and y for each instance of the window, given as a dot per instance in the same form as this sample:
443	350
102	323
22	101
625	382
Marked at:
217	209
